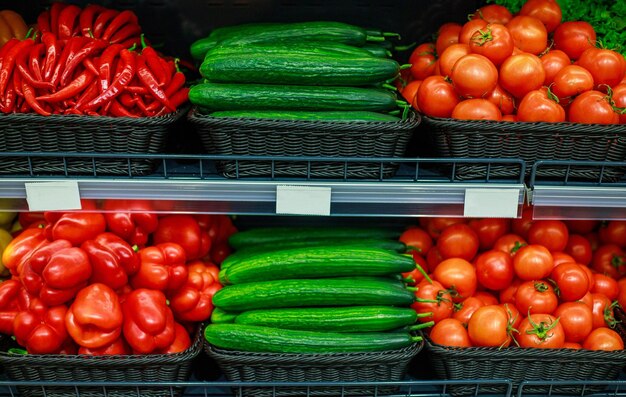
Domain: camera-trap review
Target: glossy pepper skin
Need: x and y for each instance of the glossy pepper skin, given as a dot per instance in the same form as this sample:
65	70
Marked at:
56	272
194	300
116	348
162	268
182	341
41	329
135	227
94	319
148	321
21	248
183	230
112	259
13	300
75	227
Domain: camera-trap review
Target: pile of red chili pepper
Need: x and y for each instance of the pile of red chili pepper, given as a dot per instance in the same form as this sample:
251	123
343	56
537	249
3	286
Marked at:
111	282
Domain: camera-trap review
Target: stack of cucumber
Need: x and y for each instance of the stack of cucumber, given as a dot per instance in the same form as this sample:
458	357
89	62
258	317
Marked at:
292	291
297	71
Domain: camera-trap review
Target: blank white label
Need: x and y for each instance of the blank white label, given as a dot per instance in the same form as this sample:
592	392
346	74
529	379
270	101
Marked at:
52	196
491	203
303	200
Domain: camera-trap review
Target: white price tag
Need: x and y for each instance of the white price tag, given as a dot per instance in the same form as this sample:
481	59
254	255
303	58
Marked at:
302	200
52	196
491	203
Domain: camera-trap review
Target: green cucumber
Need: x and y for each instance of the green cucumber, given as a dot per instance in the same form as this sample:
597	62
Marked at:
219	316
251	338
377	50
304	48
316	262
332	319
215	96
313	292
298	69
330	116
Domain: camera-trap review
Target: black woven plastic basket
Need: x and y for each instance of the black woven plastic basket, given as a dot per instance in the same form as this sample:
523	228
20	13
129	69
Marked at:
84	134
529	142
383	366
256	137
72	368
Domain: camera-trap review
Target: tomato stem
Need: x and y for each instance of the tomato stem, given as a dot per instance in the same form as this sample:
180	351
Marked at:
542	329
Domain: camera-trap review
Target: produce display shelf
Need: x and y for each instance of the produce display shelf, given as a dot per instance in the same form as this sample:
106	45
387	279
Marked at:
612	388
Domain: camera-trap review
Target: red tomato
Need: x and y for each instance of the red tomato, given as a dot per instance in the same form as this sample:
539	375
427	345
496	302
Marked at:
515	317
582	226
533	262
410	91
602	310
494	41
502	99
613	232
552	234
463	311
529	34
562	257
415	274
540	105
489	327
571	280
588	300
433	258
436	97
425	294
486	297
603	339
448	35
509	243
471	27
606	66
609	259
572	345
619	97
493	13
541	331
547	11
510	118
457	274
422	64
521	73
605	285
576	319
574	37
422	49
476	109
450	332
507	295
520	226
434	226
489	230
536	297
621	297
590	277
594	240
494	269
458	241
579	248
553	61
571	81
473	76
416	239
450	56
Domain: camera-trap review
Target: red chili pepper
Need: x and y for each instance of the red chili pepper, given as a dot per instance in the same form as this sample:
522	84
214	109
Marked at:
144	109
131	43
85	20
71	47
55	10
118	110
78	85
89	94
17	83
52	52
22	68
153	61
89	65
10	101
29	96
75	59
35	66
127	100
170	68
106	63
5	49
8	62
117	87
181	97
177	82
149	81
102	20
67	20
133	89
43	21
120	20
131	30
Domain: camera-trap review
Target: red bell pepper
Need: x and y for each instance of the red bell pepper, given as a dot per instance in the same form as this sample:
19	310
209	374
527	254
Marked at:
41	329
162	268
116	348
56	272
95	318
182	341
134	227
220	228
76	227
183	230
112	260
194	301
21	248
148	321
13	299
27	219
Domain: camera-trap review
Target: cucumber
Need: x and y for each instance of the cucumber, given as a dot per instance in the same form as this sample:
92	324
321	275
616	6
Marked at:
219	316
332	319
215	96
283	235
250	338
304	48
330	116
363	291
316	262
298	69
377	50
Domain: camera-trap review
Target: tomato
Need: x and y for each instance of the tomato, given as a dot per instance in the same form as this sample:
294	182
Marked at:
494	41
590	277
520	226
510	118
476	109
541	331
592	107
587	300
533	262
463	311
448	34
507	295
494	269
489	327
433	258
536	297
416	239
552	234
603	339
493	13
579	248
457	274
540	105
474	75
553	61
440	309
606	66
605	285
486	297
609	259
571	81
529	34
562	257
458	241
515	317
576	319
547	11
436	97
450	56
621	297
434	226
602	311
410	91
415	274
572	345
471	27
574	37
613	232
619	97
572	281
422	49
489	230
502	99
594	240
521	73
450	332
422	64
583	226
509	243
